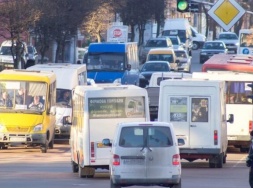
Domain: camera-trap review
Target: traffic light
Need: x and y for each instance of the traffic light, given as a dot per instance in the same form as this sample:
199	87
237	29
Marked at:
250	96
183	5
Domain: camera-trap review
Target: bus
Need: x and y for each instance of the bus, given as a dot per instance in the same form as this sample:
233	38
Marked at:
27	108
229	62
113	62
245	42
96	112
68	77
237	103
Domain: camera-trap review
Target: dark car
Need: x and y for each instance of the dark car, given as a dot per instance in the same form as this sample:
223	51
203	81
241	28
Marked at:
149	67
210	48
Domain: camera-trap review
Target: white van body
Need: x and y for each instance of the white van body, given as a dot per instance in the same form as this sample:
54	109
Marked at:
197	110
136	161
68	76
96	112
238	131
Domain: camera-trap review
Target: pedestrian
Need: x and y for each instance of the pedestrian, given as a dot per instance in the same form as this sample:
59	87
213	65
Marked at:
249	161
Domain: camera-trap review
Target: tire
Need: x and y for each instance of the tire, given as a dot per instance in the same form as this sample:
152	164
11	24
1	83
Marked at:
195	45
179	185
74	167
225	158
51	143
44	147
112	185
220	161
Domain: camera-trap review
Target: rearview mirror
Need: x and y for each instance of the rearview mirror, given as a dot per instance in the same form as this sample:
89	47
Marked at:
231	118
180	142
106	142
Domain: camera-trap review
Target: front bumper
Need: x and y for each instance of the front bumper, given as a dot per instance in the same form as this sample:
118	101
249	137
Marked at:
36	139
62	130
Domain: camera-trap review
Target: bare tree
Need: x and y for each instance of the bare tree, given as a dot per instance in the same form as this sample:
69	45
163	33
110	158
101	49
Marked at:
99	20
16	17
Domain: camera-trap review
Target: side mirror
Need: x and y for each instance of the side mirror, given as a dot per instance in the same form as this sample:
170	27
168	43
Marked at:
231	118
128	67
66	120
180	142
53	110
106	142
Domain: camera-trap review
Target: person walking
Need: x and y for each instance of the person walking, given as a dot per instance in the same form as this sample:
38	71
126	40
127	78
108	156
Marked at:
249	161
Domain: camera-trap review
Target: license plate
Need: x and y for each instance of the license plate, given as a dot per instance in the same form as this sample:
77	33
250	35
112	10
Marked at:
232	138
17	139
133	161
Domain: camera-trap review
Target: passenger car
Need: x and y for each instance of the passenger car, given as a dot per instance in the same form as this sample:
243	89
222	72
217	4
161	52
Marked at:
161	42
231	40
184	59
176	42
32	55
144	153
210	48
149	67
164	54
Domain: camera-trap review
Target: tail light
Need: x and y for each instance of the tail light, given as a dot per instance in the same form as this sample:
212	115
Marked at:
250	125
92	150
115	160
176	159
215	137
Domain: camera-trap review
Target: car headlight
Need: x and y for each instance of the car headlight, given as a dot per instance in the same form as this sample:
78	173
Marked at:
37	128
237	44
203	53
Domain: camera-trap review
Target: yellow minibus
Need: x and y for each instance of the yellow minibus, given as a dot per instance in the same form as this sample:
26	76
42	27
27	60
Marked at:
27	108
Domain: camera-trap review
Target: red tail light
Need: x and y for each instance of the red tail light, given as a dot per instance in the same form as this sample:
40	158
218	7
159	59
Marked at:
92	150
215	137
115	160
176	159
250	125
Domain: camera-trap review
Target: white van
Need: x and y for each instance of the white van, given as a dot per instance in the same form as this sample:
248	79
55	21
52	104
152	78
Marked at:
144	153
96	112
68	76
6	58
197	110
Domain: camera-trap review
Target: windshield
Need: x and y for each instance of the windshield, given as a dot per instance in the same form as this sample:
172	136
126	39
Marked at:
180	33
106	62
156	43
17	95
174	41
215	45
63	98
162	57
180	54
152	67
5	50
228	36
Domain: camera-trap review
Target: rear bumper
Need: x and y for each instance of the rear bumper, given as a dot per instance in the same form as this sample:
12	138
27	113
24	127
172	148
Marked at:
199	153
116	179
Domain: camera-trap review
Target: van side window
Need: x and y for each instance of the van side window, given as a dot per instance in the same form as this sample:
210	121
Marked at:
131	137
199	108
159	137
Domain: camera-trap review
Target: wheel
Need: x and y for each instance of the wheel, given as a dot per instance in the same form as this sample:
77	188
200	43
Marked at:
178	185
51	143
225	158
44	147
195	45
112	185
74	167
220	161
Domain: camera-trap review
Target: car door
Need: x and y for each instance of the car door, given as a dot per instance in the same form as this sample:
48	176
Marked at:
132	153
160	151
200	124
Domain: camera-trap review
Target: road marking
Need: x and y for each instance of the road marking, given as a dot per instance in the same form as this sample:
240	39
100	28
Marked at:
242	160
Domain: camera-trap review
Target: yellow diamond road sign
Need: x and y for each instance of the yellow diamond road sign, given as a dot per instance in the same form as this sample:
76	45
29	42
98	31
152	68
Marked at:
226	13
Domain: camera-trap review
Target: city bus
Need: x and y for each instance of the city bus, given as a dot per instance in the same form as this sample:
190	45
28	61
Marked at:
27	109
112	62
245	42
68	77
237	103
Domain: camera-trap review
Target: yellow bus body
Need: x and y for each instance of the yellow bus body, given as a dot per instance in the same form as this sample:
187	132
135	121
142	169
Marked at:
18	125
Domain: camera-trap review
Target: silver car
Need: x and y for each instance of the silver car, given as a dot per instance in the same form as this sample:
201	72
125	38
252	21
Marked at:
145	153
184	60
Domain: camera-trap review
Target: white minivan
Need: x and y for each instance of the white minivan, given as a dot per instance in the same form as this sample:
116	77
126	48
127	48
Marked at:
144	153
